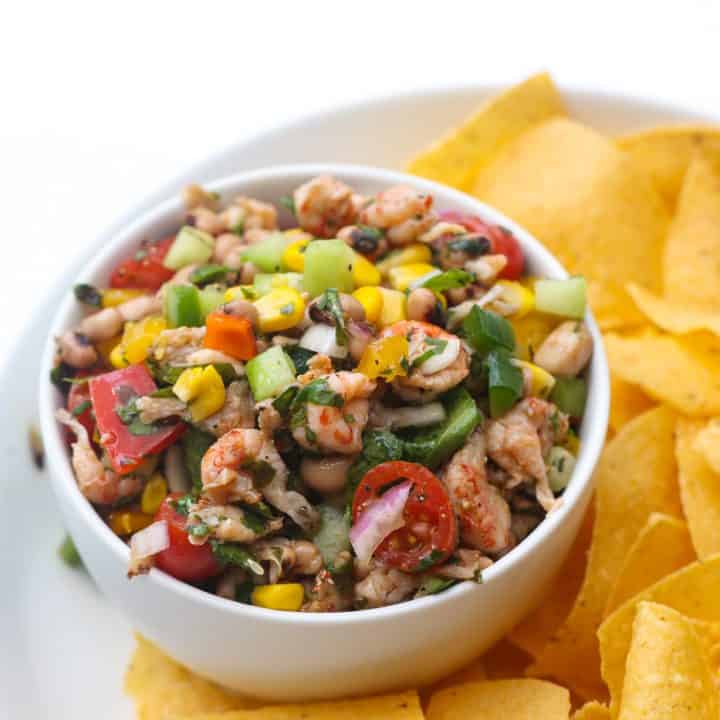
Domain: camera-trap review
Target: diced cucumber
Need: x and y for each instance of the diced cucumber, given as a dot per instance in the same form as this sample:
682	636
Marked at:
191	246
332	536
328	264
570	394
270	373
211	298
560	466
562	297
267	254
182	306
265	282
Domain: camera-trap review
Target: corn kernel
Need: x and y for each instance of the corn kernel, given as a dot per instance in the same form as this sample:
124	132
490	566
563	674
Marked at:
403	276
541	381
406	256
283	596
281	309
240	292
154	493
364	272
394	307
127	522
117	357
294	255
139	336
372	301
112	297
202	388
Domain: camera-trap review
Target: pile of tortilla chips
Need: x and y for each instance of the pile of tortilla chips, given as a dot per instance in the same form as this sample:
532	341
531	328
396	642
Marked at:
631	626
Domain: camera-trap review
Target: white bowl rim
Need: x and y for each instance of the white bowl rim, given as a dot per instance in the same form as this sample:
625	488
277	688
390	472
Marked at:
56	448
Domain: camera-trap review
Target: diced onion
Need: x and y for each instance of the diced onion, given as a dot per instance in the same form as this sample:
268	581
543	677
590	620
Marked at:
378	520
412	416
150	541
448	356
321	338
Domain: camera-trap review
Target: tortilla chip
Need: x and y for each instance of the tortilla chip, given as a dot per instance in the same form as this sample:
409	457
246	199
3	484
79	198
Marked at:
585	200
668	370
524	699
456	158
474	672
693	591
399	706
505	661
534	632
664	153
691	262
667	672
593	711
626	402
162	688
636	477
707	443
699	488
662	547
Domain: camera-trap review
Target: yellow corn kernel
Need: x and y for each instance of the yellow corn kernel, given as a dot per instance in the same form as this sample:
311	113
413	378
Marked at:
115	296
541	381
281	309
139	336
406	256
154	493
384	358
106	347
394	307
516	300
372	301
127	522
203	389
240	292
364	272
294	255
572	443
117	357
530	331
403	276
283	596
298	234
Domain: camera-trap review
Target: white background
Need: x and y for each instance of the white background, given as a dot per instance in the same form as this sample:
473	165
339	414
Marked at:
102	102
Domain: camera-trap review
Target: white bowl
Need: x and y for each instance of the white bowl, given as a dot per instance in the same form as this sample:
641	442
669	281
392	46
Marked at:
298	656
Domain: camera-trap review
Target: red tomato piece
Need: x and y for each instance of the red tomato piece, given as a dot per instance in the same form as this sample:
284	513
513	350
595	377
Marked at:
110	393
430	534
183	560
144	269
78	396
502	241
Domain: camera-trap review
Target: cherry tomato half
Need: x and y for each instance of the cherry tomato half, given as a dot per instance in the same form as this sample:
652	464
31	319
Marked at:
502	241
144	269
430	533
183	560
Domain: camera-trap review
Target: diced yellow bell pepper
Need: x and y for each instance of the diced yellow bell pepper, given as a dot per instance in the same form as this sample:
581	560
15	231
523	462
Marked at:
117	357
364	272
106	347
283	596
372	301
384	358
136	340
530	331
294	255
202	388
541	381
281	309
127	522
116	296
154	493
403	276
394	307
240	292
411	254
517	299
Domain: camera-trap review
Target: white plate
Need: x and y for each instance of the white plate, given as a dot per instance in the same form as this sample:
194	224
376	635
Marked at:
63	647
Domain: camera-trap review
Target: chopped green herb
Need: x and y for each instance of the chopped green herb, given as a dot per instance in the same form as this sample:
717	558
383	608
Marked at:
254	522
206	274
283	402
78	410
165	392
426	562
433	585
505	381
378	446
243	592
288	203
129	414
299	356
262	471
182	504
239	228
486	331
287	309
234	554
88	295
61	376
68	553
195	444
437	346
449	280
199	530
472	245
329	302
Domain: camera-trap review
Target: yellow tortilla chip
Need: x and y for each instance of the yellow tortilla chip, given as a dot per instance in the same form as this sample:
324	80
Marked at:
505	661
399	706
664	153
699	489
585	200
691	262
626	402
707	443
474	672
693	591
162	688
636	476
667	674
593	711
455	159
668	370
534	632
662	547
524	699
